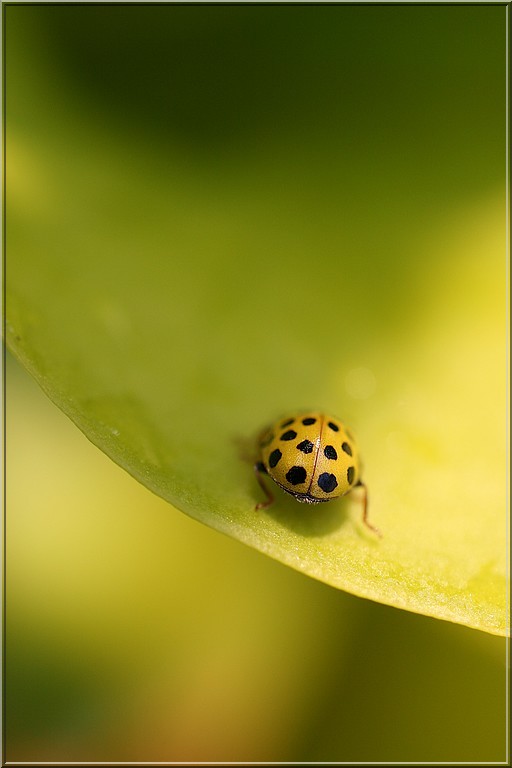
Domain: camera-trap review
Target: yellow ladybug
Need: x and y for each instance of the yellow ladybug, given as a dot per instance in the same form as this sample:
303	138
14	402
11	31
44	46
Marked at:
312	456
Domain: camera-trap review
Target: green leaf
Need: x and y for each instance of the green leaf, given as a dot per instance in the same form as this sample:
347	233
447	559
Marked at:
173	303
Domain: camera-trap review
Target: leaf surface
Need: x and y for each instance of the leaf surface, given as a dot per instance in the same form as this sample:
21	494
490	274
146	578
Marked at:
173	304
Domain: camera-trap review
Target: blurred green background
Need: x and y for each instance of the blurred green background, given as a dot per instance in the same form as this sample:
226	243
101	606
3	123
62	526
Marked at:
324	188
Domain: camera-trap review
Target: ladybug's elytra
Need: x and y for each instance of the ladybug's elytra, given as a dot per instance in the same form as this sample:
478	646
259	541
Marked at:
312	456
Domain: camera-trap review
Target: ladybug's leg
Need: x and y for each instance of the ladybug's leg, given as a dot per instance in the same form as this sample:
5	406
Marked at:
259	469
365	509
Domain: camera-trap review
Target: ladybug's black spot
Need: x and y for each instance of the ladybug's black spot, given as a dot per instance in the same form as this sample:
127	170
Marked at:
327	482
308	421
330	452
350	475
287	423
274	457
333	426
290	435
306	446
346	447
296	475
